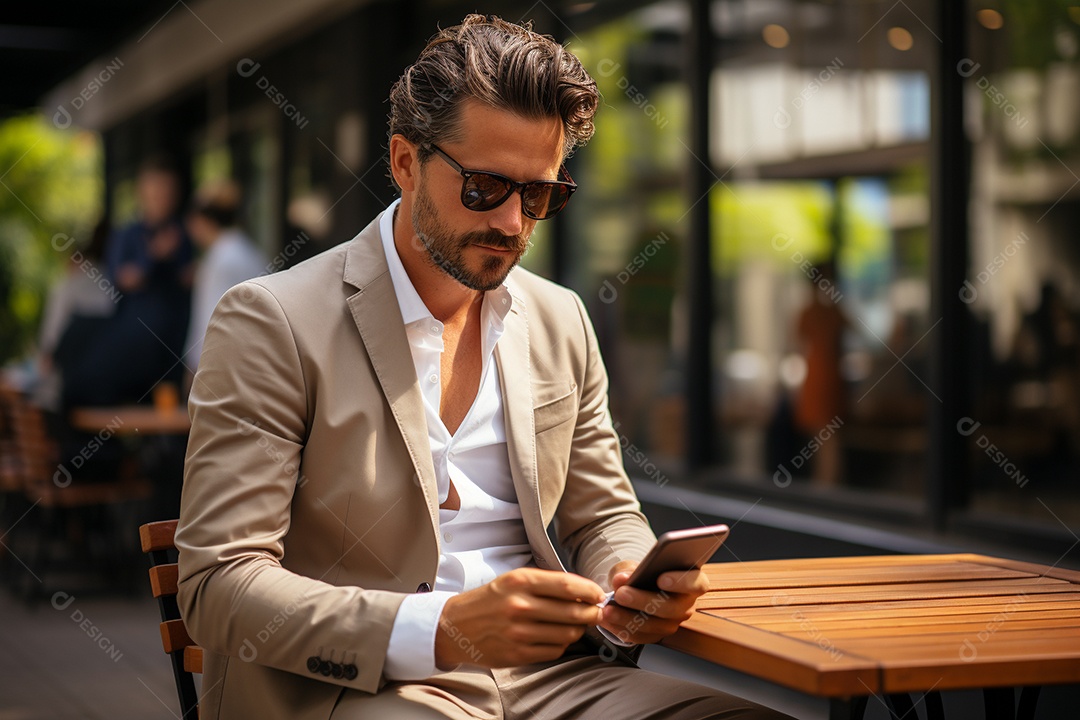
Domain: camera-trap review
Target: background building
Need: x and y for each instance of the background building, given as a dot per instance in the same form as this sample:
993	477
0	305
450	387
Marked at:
911	164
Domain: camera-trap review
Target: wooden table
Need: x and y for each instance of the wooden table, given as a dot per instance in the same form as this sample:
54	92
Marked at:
131	420
850	628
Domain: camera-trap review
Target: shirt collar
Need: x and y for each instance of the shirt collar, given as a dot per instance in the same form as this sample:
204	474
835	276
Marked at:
497	301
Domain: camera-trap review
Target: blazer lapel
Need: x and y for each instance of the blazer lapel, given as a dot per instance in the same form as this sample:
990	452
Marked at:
512	352
377	315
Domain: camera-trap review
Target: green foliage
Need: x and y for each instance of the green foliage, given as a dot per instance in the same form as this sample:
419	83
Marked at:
636	113
771	221
50	184
787	223
1032	26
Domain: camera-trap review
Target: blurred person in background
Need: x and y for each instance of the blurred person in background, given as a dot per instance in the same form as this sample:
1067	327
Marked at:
77	309
309	218
228	258
151	263
823	397
1046	384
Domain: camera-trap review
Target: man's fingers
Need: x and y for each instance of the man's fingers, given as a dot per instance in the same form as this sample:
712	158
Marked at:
547	610
674	611
552	584
663	603
691	582
636	627
510	628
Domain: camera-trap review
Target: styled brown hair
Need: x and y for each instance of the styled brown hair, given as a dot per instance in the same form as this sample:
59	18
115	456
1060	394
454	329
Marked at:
500	64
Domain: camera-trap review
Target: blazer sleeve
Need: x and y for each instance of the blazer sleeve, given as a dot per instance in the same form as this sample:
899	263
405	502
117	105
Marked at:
249	409
599	521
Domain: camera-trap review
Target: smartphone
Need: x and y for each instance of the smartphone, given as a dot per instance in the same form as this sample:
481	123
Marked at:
678	550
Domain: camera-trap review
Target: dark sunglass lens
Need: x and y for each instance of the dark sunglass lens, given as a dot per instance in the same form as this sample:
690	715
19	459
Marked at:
482	191
537	197
556	201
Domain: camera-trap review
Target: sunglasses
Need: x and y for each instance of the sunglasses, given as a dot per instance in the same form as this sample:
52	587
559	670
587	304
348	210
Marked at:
482	190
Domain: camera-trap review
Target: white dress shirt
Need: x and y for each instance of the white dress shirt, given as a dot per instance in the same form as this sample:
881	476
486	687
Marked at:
486	536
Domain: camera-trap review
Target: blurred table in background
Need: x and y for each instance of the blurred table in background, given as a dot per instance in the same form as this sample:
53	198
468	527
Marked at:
155	436
131	420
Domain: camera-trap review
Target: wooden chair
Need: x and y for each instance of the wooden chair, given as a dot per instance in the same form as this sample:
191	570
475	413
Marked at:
187	657
31	458
12	505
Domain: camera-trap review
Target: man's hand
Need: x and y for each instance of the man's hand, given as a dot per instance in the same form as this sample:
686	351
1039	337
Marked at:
524	616
647	617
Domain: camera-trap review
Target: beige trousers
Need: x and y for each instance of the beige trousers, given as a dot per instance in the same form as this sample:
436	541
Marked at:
581	684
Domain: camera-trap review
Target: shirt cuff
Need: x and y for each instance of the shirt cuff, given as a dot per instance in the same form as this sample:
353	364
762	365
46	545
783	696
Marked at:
411	652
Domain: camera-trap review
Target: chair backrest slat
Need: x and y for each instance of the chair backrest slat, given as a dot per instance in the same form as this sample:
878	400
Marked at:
193	659
174	636
164	579
158	536
157	540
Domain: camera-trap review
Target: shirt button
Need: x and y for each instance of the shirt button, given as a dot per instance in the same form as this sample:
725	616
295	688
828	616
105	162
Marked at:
448	537
433	378
434	329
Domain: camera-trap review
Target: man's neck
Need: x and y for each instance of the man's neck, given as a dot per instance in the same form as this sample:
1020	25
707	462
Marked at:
445	298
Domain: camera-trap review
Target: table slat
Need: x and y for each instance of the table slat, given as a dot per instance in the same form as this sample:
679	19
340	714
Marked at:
871	593
878	626
746	580
902	608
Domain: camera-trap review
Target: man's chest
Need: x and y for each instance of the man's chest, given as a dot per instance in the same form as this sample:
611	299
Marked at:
461	367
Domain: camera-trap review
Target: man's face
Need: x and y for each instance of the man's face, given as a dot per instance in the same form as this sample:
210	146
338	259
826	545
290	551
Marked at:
479	249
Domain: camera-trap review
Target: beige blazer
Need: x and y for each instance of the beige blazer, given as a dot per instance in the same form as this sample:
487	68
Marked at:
309	505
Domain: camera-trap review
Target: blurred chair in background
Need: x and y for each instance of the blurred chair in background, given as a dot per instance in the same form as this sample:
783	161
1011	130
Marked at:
67	510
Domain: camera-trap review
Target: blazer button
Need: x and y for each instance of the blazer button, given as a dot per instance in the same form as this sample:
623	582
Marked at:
336	670
350	672
313	664
423	588
324	668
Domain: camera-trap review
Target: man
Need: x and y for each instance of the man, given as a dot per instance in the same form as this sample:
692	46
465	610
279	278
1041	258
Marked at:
229	258
382	435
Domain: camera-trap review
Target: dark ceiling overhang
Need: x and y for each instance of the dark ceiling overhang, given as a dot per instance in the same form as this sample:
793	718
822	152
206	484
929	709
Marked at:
42	43
52	52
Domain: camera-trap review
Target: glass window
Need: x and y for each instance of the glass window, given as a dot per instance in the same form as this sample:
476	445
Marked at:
626	222
1023	284
820	129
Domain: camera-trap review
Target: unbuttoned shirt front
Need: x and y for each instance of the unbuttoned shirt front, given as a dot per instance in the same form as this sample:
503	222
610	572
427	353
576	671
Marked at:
485	537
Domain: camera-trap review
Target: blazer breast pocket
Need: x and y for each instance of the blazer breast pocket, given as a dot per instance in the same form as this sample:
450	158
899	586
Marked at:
556	404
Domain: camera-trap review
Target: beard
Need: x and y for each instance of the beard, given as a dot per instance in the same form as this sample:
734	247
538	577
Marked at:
446	250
